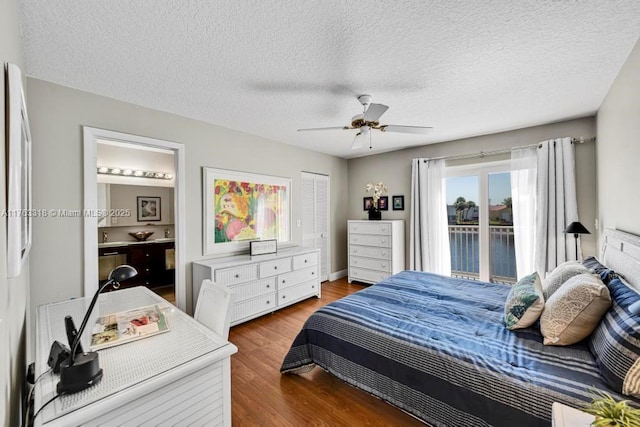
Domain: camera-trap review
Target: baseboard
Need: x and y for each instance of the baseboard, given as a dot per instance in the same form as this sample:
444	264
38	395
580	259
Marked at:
338	274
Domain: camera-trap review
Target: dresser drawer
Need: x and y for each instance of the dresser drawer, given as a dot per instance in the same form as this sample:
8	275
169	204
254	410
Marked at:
296	277
370	240
367	275
370	263
252	306
301	290
277	266
306	260
370	251
233	275
244	291
370	228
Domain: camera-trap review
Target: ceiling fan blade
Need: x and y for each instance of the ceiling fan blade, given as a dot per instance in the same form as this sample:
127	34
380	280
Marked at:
358	140
329	128
418	130
374	111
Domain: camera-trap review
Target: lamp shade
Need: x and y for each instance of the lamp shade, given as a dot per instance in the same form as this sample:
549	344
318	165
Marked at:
576	228
122	272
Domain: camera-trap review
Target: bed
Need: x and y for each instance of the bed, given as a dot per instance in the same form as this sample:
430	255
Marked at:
437	348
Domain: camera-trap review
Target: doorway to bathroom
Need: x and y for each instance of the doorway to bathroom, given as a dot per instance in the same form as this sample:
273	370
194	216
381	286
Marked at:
134	183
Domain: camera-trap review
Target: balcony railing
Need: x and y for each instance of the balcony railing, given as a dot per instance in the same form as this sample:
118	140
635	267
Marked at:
465	259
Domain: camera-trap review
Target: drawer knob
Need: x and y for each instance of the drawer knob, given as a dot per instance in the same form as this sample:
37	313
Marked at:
146	269
275	267
305	261
146	254
268	286
268	301
384	252
313	272
283	297
313	286
283	281
384	240
355	262
237	275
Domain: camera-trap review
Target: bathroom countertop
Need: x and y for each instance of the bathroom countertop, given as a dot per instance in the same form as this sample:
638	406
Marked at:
135	242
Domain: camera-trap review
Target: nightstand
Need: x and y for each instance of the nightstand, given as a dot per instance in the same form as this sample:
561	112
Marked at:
566	416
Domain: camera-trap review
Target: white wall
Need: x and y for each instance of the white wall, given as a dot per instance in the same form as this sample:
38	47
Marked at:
394	169
57	116
618	151
14	293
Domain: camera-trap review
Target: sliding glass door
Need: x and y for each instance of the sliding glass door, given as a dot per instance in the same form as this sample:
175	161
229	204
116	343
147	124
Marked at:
480	222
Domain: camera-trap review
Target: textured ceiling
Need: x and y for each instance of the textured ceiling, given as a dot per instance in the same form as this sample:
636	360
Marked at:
270	67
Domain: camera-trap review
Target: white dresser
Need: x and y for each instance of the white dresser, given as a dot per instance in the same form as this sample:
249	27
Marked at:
264	283
376	249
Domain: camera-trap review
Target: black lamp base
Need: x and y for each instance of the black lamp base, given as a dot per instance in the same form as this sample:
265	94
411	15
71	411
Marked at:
83	373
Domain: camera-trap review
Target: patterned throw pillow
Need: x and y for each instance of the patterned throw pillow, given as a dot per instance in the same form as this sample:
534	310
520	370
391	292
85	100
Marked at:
574	310
615	343
561	274
524	303
594	266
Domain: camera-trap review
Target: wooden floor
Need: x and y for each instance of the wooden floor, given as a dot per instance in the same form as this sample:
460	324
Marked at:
261	396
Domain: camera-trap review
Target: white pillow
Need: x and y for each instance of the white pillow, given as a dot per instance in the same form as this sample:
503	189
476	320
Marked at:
561	274
574	311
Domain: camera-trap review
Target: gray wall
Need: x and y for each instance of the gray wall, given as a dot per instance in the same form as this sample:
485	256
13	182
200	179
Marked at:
394	169
14	293
57	115
618	151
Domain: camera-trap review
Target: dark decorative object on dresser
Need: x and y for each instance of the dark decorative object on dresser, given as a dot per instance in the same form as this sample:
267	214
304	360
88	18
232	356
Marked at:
374	214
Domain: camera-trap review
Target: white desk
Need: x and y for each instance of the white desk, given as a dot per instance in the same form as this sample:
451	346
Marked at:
180	377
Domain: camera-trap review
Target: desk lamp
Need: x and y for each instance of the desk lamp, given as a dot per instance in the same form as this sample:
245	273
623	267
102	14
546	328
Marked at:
576	228
82	369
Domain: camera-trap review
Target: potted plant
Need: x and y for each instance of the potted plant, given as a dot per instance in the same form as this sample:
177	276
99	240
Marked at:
611	413
378	190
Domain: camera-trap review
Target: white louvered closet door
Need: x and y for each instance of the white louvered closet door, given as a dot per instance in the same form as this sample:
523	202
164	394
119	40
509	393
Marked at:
315	217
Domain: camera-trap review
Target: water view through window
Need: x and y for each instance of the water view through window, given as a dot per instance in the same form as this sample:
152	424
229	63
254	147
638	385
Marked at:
465	212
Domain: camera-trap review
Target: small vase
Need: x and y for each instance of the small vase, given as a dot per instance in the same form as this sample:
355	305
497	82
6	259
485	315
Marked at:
375	214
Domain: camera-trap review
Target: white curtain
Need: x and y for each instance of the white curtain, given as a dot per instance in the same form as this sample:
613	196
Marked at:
523	197
429	236
557	205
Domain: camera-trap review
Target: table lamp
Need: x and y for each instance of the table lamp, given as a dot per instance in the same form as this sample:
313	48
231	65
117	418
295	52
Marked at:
576	228
82	369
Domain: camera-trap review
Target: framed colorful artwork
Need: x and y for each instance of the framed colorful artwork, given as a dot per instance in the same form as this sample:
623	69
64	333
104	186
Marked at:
19	198
239	207
398	203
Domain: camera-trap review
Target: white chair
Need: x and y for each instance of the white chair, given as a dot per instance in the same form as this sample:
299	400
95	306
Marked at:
214	306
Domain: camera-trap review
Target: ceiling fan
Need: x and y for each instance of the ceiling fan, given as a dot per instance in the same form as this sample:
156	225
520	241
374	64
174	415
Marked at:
368	120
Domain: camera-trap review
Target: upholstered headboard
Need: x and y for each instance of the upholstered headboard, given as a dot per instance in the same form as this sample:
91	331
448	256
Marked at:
621	253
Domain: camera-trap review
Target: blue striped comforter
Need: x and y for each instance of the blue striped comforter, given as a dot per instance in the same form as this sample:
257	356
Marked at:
437	348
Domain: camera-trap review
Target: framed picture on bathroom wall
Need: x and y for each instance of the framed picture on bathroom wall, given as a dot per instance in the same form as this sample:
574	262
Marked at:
148	208
19	212
239	207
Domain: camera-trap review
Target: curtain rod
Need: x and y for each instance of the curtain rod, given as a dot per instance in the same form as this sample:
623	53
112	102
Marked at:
481	154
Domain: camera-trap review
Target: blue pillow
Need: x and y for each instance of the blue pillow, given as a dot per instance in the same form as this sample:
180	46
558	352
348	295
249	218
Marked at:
605	273
615	343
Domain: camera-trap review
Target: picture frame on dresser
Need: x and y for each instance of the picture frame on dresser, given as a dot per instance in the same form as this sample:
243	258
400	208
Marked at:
19	197
239	207
367	203
398	203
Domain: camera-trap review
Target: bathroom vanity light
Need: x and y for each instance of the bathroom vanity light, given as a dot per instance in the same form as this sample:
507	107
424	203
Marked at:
105	170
